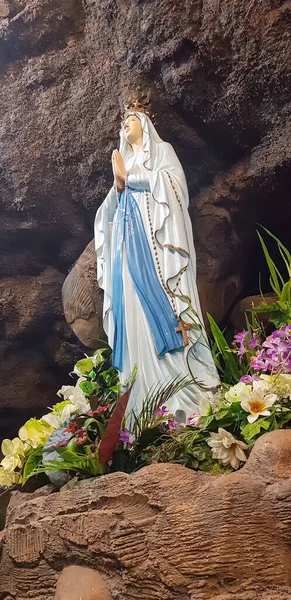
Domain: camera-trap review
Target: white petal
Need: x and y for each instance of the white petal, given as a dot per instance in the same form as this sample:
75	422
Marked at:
52	420
224	455
259	387
214	443
234	462
227	442
245	405
242	444
270	399
240	454
253	418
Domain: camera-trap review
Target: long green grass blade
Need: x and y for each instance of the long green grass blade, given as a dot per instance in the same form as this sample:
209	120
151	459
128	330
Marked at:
286	255
158	395
275	274
223	347
285	294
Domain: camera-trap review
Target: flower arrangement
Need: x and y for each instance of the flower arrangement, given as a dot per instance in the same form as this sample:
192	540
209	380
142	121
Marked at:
86	433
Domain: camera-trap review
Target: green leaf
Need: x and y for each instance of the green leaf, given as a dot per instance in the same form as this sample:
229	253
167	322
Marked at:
99	357
88	387
148	437
206	421
224	349
34	460
276	279
283	251
251	430
285	293
283	418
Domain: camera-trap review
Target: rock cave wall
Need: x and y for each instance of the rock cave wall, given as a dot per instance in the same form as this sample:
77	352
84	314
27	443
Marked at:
218	75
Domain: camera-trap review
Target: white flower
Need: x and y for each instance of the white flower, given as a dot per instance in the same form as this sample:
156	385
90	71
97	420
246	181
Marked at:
53	420
80	406
227	449
234	393
257	404
77	397
70	391
204	405
66	391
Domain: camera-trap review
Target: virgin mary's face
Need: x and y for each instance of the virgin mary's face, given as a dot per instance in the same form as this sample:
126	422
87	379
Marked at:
132	129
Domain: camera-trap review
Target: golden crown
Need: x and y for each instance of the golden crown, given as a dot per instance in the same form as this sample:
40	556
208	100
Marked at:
136	106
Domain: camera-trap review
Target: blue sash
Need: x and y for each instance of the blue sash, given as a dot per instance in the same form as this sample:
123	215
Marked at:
130	236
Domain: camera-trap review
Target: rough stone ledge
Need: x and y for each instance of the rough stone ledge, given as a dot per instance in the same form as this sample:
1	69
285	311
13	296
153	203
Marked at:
164	532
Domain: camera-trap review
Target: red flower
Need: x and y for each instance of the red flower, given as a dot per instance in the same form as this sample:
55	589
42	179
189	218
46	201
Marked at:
72	427
98	410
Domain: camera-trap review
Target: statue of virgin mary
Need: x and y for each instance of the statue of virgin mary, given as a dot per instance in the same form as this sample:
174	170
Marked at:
146	266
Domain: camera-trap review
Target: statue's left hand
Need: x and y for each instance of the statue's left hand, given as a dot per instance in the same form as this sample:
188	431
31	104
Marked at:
119	169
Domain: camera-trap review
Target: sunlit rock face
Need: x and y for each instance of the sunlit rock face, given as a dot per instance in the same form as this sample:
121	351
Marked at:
218	74
163	533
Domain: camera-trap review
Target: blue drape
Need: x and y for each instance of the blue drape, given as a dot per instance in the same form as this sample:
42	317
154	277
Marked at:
130	237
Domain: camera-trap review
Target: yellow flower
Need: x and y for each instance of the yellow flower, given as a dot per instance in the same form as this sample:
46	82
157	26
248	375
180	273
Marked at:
227	449
8	479
14	453
35	433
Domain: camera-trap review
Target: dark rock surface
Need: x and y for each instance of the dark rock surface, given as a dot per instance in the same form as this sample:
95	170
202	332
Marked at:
218	74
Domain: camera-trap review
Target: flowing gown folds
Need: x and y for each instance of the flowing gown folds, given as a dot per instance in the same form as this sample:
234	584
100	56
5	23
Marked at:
141	324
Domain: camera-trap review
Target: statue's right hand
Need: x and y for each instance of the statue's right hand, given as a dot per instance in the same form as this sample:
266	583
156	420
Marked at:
119	182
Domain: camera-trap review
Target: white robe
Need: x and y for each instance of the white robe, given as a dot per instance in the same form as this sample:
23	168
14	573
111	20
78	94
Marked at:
158	168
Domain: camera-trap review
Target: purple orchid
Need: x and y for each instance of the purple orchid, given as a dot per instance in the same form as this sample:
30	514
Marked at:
258	362
275	353
249	378
240	339
172	424
254	342
161	411
126	437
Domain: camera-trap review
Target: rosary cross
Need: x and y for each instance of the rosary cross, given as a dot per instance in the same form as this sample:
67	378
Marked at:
183	328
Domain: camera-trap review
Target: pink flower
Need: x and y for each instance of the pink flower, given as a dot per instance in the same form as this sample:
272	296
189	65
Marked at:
193	420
